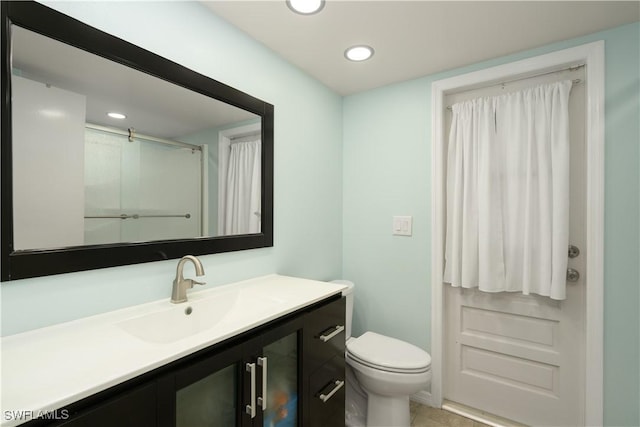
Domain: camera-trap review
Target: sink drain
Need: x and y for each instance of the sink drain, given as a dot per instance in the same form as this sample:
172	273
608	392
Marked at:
188	311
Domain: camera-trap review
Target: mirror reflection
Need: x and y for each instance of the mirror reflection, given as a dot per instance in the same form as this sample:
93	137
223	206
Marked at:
103	153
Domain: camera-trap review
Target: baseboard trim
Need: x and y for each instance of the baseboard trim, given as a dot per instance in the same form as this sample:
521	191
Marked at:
423	397
477	415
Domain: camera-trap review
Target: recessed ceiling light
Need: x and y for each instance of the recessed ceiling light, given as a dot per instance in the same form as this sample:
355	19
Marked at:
116	115
306	7
359	53
51	113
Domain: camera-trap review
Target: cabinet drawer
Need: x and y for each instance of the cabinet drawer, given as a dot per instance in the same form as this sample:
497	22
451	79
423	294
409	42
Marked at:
325	334
327	394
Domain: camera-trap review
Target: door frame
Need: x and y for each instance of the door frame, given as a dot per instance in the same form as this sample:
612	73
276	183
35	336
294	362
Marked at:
592	55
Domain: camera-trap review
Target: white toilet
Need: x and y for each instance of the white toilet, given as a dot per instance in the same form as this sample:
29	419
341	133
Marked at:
382	373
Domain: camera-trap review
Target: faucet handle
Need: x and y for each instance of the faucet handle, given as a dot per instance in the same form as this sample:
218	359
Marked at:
195	282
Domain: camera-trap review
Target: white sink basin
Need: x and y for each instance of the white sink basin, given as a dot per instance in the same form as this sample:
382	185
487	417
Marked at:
173	322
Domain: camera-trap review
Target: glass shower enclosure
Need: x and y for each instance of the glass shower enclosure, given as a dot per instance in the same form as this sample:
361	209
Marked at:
140	188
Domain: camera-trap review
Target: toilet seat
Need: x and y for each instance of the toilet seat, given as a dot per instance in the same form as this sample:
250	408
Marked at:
351	359
388	354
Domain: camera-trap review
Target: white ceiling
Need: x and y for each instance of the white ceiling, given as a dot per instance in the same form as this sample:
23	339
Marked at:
152	105
414	38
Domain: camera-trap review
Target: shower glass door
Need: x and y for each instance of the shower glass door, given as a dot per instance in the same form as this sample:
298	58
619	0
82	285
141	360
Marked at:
140	190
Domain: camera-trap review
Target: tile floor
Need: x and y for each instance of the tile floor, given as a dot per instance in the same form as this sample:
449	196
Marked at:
425	416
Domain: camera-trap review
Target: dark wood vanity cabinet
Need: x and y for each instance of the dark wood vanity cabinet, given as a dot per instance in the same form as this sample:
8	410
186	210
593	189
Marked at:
325	365
296	362
134	408
257	382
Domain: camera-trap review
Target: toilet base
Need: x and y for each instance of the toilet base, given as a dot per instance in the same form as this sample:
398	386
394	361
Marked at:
355	402
385	411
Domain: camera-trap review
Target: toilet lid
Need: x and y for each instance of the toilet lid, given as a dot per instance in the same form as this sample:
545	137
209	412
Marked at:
388	353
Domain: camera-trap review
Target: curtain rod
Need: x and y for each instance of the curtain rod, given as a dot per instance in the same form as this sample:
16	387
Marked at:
573	68
131	134
238	138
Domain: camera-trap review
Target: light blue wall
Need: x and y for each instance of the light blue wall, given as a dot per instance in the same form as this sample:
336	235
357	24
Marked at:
387	171
386	157
308	166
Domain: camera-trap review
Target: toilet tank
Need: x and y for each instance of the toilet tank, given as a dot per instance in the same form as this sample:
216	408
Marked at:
348	294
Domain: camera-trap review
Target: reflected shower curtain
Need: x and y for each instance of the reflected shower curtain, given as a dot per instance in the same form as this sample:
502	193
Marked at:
508	192
243	198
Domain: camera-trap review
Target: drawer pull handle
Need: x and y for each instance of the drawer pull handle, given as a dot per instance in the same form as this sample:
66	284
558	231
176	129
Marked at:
251	409
336	331
337	385
262	401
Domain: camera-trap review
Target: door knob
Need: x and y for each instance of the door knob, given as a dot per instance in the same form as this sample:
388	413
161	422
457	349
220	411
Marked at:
574	251
572	275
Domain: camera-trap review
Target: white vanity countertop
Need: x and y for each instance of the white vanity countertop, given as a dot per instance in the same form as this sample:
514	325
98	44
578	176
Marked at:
49	368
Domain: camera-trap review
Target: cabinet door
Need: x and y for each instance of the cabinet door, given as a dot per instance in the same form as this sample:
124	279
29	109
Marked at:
282	382
205	394
134	408
278	379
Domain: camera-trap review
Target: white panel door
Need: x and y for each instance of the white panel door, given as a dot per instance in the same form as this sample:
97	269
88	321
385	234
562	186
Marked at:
522	357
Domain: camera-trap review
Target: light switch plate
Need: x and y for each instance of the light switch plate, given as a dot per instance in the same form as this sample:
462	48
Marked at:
402	225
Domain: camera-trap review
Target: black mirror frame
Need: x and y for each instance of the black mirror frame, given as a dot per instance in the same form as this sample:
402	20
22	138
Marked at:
35	263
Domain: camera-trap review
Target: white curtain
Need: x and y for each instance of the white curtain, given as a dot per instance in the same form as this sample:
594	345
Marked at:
508	192
243	197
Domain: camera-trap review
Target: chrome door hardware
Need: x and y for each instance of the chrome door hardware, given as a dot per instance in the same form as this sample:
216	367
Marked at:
333	333
262	401
251	409
574	251
336	385
572	275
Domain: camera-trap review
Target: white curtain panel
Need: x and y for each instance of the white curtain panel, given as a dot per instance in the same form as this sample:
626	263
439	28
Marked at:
508	192
242	205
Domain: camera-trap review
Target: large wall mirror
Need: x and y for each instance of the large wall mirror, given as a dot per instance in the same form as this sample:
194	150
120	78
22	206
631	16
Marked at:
112	155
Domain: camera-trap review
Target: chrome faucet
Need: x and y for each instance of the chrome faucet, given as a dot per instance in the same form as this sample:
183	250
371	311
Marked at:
180	284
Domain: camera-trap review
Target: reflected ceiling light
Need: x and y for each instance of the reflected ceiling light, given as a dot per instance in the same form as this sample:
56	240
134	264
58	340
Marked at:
52	114
306	7
358	53
116	115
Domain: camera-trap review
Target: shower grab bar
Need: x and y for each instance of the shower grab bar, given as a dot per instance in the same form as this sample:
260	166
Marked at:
136	216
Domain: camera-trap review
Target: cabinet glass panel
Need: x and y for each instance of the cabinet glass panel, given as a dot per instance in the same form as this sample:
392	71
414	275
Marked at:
209	402
282	382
